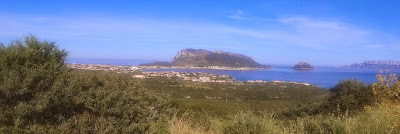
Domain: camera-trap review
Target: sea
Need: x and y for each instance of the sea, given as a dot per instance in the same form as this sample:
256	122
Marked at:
323	76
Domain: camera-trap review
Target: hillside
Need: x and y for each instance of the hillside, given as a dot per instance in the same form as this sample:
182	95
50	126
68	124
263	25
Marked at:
227	99
201	57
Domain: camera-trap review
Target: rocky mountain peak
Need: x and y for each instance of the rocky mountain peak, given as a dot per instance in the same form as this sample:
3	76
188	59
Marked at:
187	53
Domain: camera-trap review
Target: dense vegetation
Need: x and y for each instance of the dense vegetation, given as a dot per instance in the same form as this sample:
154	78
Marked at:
39	94
232	60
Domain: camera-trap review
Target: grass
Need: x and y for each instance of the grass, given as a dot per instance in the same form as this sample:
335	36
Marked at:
375	120
180	126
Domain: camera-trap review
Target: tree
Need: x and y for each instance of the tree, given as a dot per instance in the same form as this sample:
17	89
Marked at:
29	71
348	95
387	89
351	95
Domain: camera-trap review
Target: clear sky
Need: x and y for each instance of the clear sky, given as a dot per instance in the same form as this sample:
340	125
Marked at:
337	32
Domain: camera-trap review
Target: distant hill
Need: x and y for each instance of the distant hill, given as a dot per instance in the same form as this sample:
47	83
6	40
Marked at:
303	66
201	57
380	64
164	64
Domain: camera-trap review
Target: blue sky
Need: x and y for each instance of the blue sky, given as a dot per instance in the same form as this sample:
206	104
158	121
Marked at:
272	32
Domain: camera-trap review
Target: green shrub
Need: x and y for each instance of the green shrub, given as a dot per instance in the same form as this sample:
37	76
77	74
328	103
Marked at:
39	94
347	96
119	99
350	95
32	74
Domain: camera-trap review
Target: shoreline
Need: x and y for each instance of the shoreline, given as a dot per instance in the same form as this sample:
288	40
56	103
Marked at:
210	78
185	76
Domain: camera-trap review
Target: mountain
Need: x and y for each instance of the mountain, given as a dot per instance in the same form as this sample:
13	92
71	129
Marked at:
303	66
381	64
191	57
201	57
159	63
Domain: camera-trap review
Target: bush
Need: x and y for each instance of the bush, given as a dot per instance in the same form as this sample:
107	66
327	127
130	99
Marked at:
351	95
39	94
32	74
120	100
347	96
387	89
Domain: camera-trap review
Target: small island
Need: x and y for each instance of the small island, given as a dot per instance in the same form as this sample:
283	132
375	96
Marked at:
303	66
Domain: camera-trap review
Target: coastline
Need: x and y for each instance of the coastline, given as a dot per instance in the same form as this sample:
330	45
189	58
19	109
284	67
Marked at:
195	77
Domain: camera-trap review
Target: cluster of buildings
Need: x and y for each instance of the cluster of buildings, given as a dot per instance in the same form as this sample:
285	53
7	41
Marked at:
199	77
118	69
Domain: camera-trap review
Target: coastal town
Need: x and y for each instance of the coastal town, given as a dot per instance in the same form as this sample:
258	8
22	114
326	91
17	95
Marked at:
100	67
196	77
186	76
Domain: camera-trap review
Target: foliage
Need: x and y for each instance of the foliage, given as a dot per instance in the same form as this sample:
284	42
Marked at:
232	60
32	74
387	89
350	95
347	96
39	94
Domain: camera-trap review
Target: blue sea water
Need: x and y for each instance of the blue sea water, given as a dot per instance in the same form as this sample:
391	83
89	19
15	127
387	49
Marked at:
120	62
325	77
